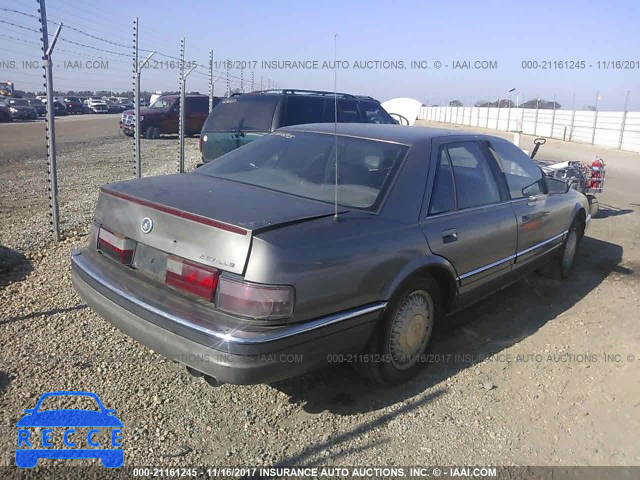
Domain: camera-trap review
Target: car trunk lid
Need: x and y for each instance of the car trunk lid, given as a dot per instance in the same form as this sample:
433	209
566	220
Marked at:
203	219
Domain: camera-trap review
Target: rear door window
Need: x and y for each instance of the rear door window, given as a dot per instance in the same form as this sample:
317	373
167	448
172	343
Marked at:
443	196
475	183
303	109
348	111
250	113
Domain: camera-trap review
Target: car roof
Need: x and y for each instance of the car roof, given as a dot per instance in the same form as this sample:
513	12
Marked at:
186	96
386	132
289	92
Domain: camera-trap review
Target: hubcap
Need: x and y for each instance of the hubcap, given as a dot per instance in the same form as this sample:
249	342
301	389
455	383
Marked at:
569	250
411	329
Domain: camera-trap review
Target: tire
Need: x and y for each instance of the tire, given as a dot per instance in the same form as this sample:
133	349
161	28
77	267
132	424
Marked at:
396	353
152	132
594	205
562	265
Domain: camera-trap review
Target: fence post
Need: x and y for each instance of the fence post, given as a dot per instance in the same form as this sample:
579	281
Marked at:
210	81
183	88
488	110
50	134
252	82
624	120
136	102
509	115
535	123
595	120
573	116
136	99
228	81
553	117
182	109
242	80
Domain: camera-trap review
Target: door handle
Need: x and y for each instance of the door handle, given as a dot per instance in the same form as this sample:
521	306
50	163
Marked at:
531	201
449	236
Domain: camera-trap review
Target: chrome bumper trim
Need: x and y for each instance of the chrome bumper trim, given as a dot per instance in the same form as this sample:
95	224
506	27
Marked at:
87	268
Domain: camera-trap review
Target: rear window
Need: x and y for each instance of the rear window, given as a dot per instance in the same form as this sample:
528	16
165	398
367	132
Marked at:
250	113
374	113
303	164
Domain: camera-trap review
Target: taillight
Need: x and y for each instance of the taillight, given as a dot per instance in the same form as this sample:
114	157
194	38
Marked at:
116	246
264	302
191	277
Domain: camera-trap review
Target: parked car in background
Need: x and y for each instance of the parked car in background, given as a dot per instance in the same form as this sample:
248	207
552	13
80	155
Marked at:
59	108
73	105
113	107
5	114
163	115
125	104
39	105
20	109
242	118
247	262
98	106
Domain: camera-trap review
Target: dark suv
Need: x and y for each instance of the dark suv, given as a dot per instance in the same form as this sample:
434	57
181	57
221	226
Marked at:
241	118
162	116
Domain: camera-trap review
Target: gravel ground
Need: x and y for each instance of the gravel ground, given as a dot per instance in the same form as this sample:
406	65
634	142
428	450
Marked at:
519	379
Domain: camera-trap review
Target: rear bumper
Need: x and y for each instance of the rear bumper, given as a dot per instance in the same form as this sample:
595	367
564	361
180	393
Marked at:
209	342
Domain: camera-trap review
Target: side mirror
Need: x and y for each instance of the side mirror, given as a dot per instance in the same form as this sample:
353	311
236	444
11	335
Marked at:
555	186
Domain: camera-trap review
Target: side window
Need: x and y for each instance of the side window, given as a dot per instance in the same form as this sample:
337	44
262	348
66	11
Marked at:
522	174
303	109
372	112
443	194
348	111
475	183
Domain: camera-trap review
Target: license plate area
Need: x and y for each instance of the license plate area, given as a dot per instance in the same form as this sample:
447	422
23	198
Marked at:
150	261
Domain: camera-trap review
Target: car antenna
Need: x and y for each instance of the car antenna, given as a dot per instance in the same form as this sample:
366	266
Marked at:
335	127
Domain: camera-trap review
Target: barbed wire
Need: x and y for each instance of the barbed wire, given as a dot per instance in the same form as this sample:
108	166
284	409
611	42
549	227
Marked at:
200	68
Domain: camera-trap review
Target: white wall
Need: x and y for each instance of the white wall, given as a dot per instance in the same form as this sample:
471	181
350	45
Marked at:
601	128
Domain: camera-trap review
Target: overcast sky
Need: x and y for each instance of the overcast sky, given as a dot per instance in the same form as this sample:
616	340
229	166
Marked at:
393	32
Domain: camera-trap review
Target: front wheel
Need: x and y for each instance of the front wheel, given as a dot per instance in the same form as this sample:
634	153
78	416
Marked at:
152	132
397	353
561	266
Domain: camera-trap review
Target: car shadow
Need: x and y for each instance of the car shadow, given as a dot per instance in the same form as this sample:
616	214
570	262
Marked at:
14	266
465	338
606	211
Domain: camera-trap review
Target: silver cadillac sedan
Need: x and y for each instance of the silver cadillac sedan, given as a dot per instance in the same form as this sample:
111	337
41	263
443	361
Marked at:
313	244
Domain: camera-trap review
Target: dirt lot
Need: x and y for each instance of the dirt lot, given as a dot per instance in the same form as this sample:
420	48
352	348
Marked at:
544	373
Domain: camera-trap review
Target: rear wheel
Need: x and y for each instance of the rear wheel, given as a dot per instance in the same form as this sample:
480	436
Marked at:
396	353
